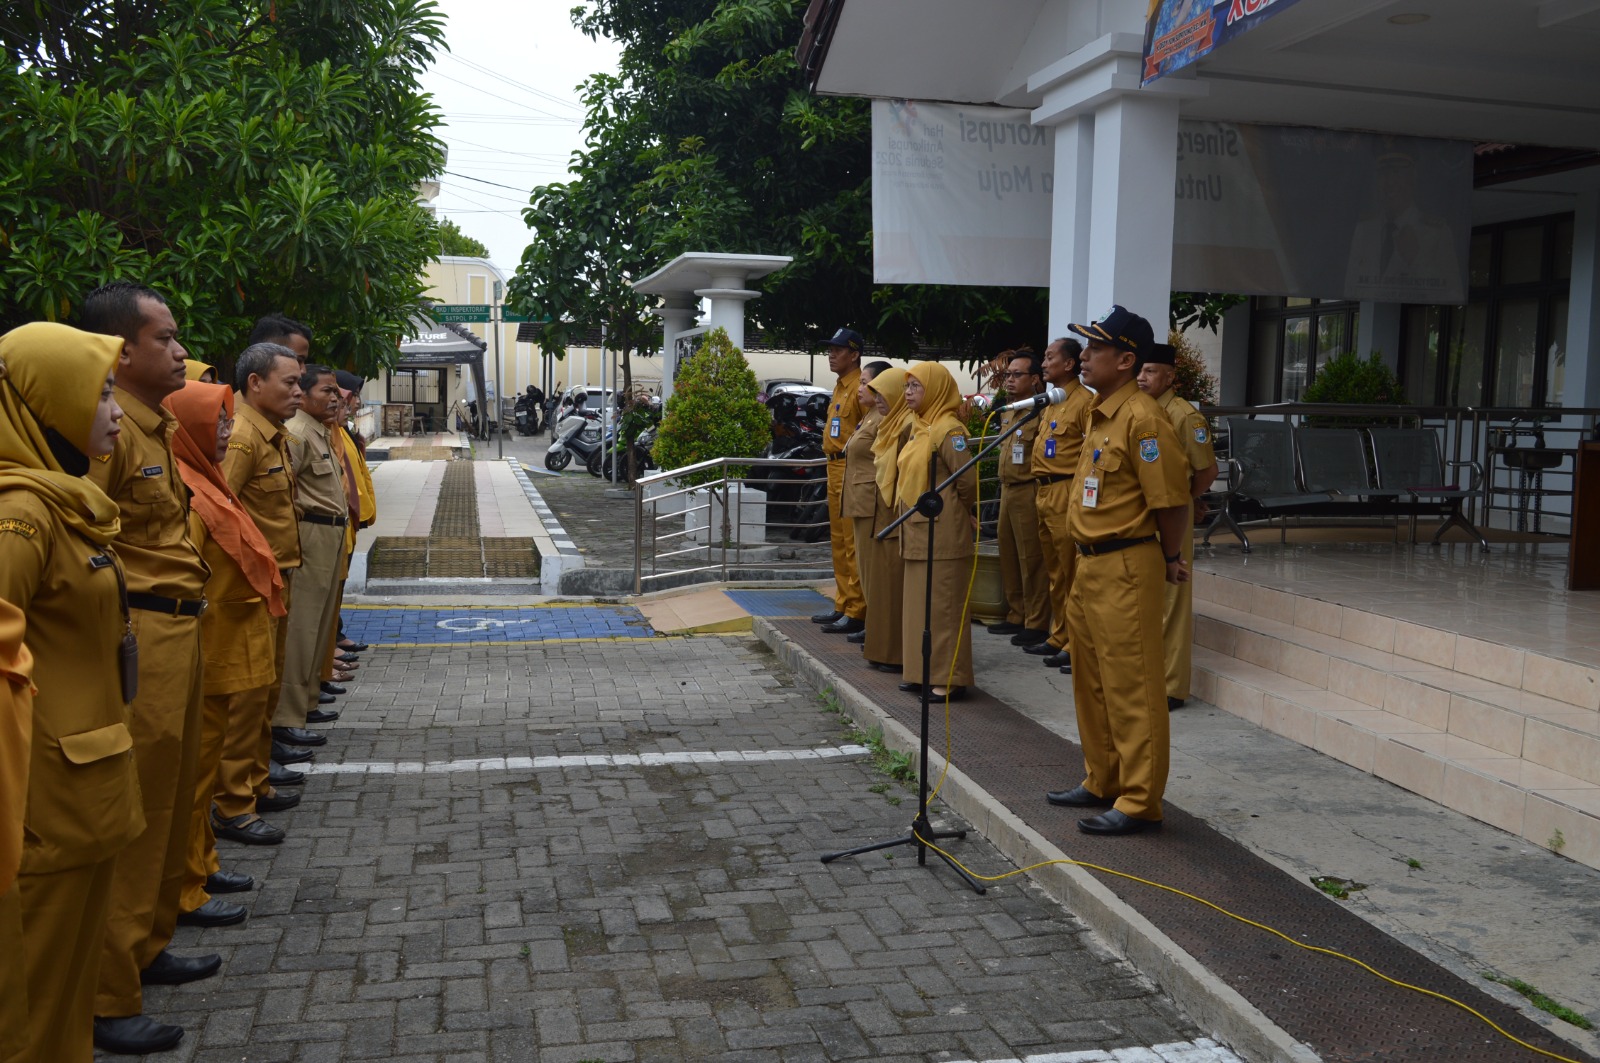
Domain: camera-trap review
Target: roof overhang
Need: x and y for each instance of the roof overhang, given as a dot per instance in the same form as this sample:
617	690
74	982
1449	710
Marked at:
695	271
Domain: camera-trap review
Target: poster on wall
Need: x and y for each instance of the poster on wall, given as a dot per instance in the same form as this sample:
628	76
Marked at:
1178	32
960	195
1292	210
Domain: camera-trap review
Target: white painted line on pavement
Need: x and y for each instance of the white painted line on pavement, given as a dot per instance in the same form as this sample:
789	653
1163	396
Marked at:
1203	1050
598	760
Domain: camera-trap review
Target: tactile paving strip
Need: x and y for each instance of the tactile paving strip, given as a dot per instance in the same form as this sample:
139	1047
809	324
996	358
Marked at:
799	602
1344	1013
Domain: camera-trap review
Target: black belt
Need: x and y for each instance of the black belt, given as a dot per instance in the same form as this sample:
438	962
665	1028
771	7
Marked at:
154	603
331	522
1054	478
836	457
1111	546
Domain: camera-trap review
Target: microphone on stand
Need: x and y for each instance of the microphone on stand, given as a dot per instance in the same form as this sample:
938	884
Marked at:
1049	397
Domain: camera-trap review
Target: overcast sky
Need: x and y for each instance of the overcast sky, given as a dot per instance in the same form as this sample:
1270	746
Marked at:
508	92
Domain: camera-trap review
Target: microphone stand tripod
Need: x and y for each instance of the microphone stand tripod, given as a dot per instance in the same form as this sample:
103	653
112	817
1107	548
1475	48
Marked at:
930	505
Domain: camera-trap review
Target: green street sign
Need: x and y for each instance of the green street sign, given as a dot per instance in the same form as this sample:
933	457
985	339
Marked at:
461	313
510	318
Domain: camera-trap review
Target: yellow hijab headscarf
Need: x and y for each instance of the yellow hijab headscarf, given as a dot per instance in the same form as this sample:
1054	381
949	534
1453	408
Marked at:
50	381
891	384
934	420
195	369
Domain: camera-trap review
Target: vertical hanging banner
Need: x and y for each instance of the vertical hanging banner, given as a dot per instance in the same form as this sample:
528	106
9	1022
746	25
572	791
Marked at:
1180	31
960	195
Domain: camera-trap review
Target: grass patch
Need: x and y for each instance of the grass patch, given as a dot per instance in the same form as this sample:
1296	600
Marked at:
1413	863
1540	1001
1337	888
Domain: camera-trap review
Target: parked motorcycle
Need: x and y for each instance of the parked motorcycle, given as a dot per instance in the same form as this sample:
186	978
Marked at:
642	461
526	414
577	435
796	497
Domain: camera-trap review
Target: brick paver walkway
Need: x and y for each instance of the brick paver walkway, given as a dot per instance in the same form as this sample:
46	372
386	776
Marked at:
620	907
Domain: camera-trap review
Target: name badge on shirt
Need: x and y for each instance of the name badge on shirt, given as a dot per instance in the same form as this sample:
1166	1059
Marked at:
1091	492
99	561
1016	453
275	468
150	472
1050	446
833	427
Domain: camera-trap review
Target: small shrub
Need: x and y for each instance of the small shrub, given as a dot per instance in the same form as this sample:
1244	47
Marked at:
1349	378
713	412
1193	382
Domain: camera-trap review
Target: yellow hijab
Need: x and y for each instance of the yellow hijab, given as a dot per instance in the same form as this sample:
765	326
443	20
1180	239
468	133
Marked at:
929	427
50	381
195	369
891	384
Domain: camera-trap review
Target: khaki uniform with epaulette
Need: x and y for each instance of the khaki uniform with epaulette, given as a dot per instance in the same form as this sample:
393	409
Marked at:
1055	462
1022	569
1194	437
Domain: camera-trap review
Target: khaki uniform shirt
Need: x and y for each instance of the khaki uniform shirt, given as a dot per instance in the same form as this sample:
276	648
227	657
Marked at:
844	413
1016	453
1056	447
1194	432
259	470
952	532
141	476
318	472
236	632
1132	453
860	477
83	790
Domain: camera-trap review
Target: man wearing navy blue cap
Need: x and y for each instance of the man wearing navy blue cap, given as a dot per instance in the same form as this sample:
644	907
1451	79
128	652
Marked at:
1127	519
844	413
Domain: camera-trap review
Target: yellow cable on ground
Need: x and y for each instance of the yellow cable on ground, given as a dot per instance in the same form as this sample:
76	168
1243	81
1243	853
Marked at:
949	747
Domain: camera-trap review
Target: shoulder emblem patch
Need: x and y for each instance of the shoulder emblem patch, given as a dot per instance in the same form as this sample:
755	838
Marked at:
959	442
1148	451
18	527
1200	433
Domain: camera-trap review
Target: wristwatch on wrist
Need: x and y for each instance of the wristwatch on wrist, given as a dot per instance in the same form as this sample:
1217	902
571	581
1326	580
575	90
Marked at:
1174	559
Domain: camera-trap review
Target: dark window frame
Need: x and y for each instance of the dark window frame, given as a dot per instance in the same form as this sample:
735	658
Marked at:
1263	316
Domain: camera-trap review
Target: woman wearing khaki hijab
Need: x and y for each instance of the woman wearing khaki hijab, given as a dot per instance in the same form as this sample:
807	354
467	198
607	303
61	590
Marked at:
56	413
882	570
936	448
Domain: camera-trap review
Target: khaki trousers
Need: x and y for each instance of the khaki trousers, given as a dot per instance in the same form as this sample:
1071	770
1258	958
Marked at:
951	660
847	597
64	927
311	617
1022	568
1117	683
202	858
148	877
1177	629
13	981
1060	555
881	571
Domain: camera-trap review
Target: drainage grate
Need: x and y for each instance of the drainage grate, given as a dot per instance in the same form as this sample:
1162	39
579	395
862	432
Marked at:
454	547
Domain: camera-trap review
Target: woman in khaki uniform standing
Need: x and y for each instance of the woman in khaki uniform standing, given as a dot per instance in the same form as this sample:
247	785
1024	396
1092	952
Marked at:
16	739
881	566
855	499
936	448
57	411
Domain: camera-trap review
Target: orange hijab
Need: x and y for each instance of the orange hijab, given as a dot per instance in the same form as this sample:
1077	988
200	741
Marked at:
197	408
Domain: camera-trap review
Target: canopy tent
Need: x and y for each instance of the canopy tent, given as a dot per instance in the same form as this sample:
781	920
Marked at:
440	345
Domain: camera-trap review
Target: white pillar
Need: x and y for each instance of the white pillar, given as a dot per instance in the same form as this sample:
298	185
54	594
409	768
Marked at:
677	316
1069	224
1131	217
727	309
1379	330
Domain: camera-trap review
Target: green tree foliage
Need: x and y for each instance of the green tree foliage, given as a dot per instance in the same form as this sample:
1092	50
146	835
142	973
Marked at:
1193	381
707	141
1204	309
1349	378
713	412
452	241
241	156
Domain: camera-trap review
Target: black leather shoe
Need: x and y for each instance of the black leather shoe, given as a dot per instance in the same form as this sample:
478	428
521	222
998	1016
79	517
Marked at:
298	736
322	715
1029	636
135	1035
276	802
278	775
955	694
215	912
325	698
248	829
1078	797
354	647
826	618
1174	703
1062	660
1066	669
1038	649
334	689
229	882
911	688
346	656
895	668
289	754
1113	822
167	969
857	638
1004	627
845	625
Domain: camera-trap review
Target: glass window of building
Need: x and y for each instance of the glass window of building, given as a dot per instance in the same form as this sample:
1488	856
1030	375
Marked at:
1291	338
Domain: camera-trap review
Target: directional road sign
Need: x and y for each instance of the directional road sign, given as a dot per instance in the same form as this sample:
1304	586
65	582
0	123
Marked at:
460	313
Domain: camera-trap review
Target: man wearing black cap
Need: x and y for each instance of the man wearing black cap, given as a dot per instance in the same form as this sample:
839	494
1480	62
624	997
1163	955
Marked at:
1194	436
844	413
1129	505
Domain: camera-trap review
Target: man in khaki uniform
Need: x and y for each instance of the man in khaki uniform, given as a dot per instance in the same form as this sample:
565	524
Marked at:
1022	569
844	413
1129	503
260	472
166	581
1055	462
1194	436
324	512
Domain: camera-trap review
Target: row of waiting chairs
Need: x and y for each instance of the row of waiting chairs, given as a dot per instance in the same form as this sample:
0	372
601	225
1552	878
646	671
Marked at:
1278	470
